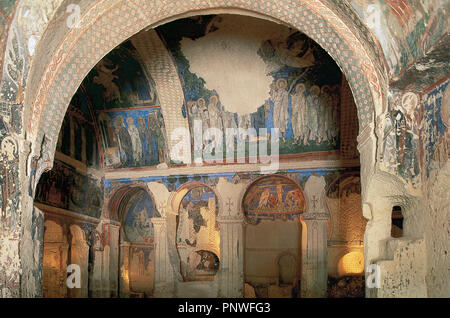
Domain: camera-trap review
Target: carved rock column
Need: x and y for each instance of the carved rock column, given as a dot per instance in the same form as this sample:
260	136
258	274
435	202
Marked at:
97	272
314	267
163	268
231	273
125	270
314	258
114	259
231	222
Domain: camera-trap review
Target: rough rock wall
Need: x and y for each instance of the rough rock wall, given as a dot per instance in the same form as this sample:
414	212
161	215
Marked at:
436	172
404	274
436	232
21	234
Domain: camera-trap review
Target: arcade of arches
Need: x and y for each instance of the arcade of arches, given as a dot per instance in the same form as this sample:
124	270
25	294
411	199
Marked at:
232	149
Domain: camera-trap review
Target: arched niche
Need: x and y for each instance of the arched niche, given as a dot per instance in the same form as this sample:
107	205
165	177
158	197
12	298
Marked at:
198	232
134	209
79	255
54	261
346	225
273	236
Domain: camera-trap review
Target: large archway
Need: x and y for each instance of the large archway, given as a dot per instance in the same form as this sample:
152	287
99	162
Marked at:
320	22
198	233
133	207
53	83
54	261
273	236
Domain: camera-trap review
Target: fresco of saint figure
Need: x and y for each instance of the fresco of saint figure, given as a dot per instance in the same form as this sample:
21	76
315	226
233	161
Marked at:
135	141
264	199
389	142
193	111
161	138
106	78
203	112
312	102
158	143
244	123
229	122
143	136
410	163
125	143
299	113
215	118
280	97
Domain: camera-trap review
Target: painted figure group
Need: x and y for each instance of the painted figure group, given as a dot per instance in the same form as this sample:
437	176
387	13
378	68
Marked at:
138	143
305	116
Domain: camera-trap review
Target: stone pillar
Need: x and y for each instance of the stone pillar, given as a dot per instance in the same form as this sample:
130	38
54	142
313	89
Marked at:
163	269
231	272
314	255
65	258
232	244
125	270
106	293
96	283
96	286
114	259
314	260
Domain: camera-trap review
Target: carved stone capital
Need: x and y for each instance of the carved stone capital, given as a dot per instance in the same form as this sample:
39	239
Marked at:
230	219
158	221
315	216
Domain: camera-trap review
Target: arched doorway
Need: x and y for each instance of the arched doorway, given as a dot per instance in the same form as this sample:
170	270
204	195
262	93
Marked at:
272	206
79	255
345	234
198	233
135	209
54	261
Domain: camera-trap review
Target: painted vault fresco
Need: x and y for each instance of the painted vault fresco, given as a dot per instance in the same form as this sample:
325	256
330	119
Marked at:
117	107
273	198
406	29
136	224
304	92
119	81
198	237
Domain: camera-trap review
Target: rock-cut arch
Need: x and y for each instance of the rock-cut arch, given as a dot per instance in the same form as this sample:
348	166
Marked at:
104	25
